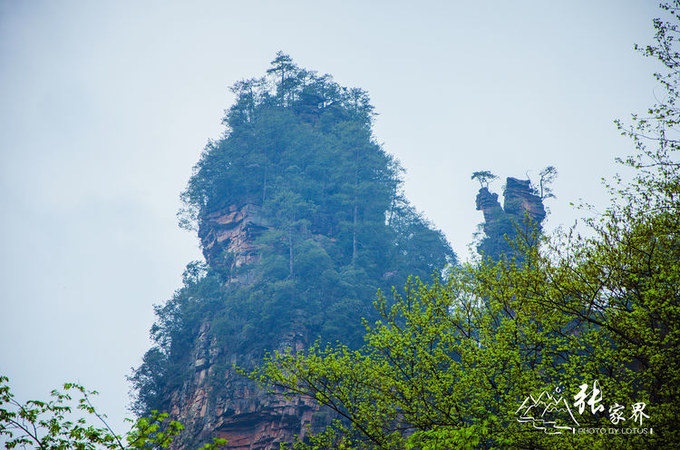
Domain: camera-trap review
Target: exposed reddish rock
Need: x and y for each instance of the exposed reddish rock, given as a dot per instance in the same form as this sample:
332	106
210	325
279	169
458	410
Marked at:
235	408
520	200
227	238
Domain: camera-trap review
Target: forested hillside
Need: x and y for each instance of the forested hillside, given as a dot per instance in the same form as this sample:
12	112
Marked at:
302	220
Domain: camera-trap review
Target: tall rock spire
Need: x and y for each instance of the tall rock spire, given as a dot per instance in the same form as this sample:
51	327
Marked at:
290	206
522	211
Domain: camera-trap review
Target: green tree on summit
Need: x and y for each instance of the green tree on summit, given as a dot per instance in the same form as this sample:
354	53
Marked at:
484	177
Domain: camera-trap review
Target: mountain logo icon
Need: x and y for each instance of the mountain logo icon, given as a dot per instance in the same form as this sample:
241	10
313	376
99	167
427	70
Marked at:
547	413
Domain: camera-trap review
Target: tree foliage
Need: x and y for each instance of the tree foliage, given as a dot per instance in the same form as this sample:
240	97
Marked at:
58	424
593	316
484	177
547	177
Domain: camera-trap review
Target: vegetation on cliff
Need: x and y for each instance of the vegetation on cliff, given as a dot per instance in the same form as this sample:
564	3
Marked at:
333	228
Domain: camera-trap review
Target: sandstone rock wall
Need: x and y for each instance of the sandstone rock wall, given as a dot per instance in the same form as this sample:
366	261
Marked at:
221	403
520	200
228	239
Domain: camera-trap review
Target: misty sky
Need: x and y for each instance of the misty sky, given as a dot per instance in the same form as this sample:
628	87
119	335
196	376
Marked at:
105	107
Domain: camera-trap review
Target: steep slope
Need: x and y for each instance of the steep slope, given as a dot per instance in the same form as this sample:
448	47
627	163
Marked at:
301	220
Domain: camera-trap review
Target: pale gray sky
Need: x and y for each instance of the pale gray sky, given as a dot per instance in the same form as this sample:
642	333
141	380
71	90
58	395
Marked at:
105	107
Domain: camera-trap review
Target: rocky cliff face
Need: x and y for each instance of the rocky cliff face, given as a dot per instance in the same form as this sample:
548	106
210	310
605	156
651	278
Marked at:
227	238
216	401
522	209
487	202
